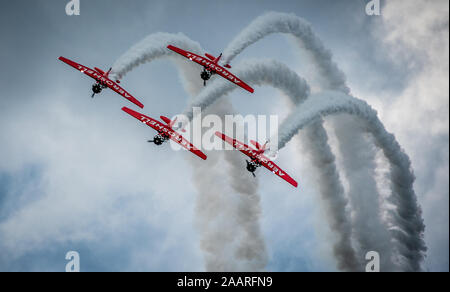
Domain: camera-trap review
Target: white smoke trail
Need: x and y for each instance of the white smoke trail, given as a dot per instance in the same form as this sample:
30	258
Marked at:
233	216
154	47
325	156
254	72
369	230
332	78
274	22
405	221
332	194
355	149
227	235
278	75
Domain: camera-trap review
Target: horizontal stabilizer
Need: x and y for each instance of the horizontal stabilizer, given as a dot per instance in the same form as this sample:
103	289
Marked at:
211	57
99	70
166	120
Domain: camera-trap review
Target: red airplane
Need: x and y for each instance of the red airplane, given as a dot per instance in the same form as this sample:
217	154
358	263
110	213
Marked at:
165	131
257	157
211	66
102	81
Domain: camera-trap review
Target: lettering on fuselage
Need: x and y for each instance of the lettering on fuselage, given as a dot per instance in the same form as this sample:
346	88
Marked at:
167	132
103	80
259	158
213	67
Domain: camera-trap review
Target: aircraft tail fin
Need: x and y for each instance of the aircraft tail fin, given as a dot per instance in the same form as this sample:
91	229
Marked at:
256	144
218	58
259	147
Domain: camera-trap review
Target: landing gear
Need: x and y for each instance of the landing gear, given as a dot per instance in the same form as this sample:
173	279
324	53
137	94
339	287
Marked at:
158	139
252	166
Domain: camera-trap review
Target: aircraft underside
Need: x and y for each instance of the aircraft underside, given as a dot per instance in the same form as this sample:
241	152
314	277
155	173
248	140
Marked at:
252	166
206	75
97	88
158	139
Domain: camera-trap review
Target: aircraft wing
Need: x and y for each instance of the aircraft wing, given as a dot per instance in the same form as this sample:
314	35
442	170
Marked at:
163	129
253	154
115	87
214	67
230	77
101	79
275	169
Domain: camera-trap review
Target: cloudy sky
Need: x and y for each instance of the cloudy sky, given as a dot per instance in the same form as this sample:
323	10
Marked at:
77	174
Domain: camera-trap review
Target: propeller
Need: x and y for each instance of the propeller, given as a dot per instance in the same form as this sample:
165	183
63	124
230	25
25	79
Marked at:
92	95
151	141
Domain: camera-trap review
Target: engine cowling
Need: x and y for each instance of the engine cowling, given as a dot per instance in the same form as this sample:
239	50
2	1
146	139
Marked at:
96	88
251	166
205	75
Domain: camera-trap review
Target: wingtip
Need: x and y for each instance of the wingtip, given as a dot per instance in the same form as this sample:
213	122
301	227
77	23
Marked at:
138	103
201	154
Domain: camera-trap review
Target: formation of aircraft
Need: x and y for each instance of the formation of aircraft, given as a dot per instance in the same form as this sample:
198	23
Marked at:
257	158
211	66
166	130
